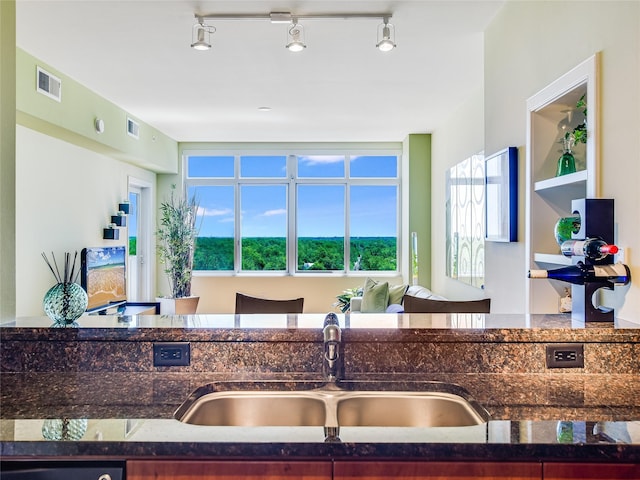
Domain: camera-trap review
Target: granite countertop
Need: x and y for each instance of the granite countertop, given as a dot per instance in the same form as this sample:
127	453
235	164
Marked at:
126	416
304	327
129	414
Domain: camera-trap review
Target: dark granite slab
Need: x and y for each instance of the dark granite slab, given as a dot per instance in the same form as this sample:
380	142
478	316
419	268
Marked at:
364	328
103	372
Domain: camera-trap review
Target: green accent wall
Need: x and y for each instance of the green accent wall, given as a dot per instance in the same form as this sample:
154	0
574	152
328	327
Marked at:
73	119
418	149
7	159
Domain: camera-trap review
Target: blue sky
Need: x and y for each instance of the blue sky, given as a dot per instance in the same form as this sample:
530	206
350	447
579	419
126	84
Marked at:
321	210
98	257
132	218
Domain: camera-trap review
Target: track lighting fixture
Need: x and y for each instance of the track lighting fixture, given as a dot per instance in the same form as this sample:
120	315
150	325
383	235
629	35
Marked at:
386	36
295	31
295	37
201	35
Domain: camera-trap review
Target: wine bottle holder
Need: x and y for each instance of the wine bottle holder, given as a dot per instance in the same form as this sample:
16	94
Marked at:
596	221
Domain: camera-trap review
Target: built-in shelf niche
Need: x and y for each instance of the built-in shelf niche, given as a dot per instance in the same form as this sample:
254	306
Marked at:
548	197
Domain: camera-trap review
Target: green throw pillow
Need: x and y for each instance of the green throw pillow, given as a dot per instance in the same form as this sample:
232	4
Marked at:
396	293
375	296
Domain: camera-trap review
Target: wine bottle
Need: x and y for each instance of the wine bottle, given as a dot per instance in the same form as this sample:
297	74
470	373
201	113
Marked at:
579	274
593	248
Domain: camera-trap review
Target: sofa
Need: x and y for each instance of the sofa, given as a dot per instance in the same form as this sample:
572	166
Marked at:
413	290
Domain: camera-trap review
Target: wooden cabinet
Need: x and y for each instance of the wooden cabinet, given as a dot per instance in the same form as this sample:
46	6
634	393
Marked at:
591	471
344	470
227	470
550	114
375	470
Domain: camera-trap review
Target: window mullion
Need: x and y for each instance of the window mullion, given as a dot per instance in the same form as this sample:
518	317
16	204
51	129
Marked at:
292	209
347	213
347	222
237	246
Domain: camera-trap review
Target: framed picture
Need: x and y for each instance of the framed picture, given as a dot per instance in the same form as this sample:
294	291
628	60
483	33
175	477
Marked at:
501	196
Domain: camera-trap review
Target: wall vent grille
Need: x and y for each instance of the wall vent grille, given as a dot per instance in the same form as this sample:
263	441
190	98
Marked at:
133	128
48	84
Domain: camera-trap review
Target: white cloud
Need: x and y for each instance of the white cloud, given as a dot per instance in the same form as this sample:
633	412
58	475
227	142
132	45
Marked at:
271	213
214	212
322	159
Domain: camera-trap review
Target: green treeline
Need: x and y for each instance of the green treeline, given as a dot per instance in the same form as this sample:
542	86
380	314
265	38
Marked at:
213	253
314	253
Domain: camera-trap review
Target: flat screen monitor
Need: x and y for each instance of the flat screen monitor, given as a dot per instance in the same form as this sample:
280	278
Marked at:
104	276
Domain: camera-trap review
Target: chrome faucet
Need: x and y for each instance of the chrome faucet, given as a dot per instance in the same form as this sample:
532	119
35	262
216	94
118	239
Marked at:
331	364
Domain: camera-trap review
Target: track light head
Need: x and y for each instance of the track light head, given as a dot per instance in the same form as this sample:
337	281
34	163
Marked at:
386	36
295	37
201	35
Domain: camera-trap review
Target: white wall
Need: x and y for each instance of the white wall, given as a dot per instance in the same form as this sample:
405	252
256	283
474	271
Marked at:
528	45
65	196
459	137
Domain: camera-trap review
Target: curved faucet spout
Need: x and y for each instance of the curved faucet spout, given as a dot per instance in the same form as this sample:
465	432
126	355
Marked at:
332	339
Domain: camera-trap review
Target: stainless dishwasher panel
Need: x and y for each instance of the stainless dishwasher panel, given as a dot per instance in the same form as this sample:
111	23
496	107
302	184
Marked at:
34	471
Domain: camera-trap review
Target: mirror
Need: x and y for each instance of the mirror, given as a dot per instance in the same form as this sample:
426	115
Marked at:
465	203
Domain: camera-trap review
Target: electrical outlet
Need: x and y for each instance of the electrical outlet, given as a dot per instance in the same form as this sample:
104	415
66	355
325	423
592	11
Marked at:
171	354
565	355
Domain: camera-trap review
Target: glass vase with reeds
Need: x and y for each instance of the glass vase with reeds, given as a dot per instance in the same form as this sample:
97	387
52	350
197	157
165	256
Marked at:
66	301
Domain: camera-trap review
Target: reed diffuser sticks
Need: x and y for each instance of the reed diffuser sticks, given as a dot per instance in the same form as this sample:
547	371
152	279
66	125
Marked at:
70	274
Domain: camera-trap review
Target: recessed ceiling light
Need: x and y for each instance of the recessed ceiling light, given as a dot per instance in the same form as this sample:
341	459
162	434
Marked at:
264	109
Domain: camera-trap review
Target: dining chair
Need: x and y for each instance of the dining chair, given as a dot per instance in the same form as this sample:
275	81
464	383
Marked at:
249	304
425	305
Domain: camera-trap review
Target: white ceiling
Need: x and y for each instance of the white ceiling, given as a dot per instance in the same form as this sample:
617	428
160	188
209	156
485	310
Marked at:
136	54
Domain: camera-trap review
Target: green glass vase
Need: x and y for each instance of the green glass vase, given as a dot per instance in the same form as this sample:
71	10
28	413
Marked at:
64	429
567	162
64	303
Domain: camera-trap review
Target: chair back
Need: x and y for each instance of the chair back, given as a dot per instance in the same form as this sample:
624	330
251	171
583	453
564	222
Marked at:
248	304
424	305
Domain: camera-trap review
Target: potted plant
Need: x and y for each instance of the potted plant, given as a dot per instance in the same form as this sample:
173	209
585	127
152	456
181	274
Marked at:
176	241
344	299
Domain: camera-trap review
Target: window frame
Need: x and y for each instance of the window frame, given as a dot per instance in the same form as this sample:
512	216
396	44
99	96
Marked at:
291	180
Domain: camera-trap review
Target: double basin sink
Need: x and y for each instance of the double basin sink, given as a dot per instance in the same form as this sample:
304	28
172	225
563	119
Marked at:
332	405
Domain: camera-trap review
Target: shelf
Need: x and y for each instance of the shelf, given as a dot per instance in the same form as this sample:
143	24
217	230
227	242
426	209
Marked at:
576	180
551	258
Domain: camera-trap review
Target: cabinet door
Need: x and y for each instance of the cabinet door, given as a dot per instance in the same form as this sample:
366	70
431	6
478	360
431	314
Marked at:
588	471
436	470
220	470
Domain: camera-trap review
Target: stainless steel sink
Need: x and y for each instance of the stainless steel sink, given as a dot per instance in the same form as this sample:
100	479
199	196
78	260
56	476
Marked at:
256	409
332	407
406	409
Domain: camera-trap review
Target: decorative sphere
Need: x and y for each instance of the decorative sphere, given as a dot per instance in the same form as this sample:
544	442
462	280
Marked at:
565	227
65	302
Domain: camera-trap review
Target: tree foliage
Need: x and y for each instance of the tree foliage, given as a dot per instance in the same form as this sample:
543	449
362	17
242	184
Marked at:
314	253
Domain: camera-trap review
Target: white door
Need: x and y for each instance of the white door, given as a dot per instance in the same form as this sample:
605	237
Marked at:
139	265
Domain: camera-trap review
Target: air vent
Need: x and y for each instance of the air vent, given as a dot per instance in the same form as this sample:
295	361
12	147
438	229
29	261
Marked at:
48	84
133	128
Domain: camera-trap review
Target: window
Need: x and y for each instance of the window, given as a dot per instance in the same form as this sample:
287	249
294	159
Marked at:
296	212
